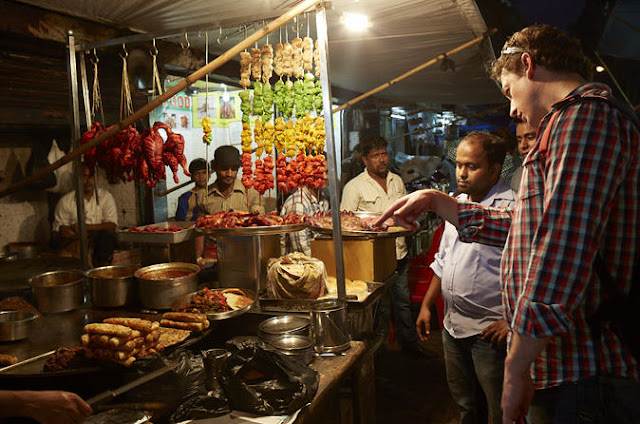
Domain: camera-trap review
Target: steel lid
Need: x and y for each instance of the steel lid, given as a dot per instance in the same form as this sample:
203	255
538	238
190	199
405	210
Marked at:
283	324
292	343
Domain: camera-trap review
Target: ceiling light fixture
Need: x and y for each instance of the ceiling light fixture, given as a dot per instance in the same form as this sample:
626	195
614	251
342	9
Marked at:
355	21
599	69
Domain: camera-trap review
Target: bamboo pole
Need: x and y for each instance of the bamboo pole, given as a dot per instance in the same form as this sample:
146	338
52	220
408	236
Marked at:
416	69
187	81
172	189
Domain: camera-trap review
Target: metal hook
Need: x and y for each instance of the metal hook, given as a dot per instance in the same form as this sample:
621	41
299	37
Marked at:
186	37
219	35
154	51
126	53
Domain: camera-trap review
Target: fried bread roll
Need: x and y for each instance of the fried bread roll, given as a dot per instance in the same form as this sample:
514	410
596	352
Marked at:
139	324
109	329
192	326
185	317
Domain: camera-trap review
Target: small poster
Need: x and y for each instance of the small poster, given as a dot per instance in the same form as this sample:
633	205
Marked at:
205	105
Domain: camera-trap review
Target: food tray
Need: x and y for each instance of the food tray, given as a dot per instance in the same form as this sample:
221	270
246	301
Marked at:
304	305
160	238
252	231
400	232
393	231
217	316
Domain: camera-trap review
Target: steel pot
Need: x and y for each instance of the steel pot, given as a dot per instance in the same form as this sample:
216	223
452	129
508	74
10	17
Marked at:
58	291
112	286
16	325
295	346
24	250
160	284
329	326
275	327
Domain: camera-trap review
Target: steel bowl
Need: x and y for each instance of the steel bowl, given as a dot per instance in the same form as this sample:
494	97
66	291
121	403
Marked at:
58	291
161	284
25	250
16	325
112	286
295	346
276	327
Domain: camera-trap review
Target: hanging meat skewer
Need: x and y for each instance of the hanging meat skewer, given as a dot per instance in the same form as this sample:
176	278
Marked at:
287	60
267	62
245	69
298	69
316	60
278	61
307	53
256	64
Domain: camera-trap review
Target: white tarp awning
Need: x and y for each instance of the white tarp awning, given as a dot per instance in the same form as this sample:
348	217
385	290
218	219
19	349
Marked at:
403	34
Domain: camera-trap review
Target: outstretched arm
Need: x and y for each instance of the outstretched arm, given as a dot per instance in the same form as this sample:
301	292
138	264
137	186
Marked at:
406	210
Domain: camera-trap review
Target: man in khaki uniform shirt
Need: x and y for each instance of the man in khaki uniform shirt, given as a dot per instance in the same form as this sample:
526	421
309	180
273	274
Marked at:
374	190
227	192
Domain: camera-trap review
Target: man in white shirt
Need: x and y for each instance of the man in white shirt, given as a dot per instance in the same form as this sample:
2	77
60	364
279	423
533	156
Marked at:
468	276
101	218
374	190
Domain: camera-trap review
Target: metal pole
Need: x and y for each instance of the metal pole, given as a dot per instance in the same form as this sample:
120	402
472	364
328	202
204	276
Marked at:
321	32
75	136
87	113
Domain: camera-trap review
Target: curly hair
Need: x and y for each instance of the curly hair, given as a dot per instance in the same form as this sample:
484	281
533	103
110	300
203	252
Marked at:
549	47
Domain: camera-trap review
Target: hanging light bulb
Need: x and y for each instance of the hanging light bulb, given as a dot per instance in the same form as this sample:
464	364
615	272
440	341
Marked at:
225	94
355	21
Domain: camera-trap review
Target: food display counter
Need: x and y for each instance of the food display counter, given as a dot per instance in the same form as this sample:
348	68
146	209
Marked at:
344	371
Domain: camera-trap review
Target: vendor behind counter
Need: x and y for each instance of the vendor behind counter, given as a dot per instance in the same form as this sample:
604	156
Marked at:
101	220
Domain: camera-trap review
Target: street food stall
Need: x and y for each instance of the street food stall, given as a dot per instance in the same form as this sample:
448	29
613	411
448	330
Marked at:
122	346
163	312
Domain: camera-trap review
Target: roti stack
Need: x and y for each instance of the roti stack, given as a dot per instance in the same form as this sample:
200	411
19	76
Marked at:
185	321
121	340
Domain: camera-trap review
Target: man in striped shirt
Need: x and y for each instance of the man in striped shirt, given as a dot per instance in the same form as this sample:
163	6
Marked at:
579	199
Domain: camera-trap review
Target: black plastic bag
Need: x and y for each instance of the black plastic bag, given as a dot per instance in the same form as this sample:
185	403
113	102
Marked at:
267	383
197	402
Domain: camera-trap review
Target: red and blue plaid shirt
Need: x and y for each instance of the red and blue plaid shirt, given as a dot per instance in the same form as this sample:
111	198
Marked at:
580	196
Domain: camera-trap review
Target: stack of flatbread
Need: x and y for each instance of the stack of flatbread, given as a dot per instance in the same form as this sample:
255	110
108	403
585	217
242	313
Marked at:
121	340
185	321
357	288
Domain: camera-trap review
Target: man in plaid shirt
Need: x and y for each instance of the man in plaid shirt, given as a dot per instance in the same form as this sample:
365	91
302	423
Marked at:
579	198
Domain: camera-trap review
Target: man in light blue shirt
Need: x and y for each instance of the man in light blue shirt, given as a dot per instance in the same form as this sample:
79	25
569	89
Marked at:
468	276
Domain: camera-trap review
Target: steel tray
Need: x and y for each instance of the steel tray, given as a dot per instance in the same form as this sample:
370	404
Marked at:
393	231
159	238
184	300
252	231
304	305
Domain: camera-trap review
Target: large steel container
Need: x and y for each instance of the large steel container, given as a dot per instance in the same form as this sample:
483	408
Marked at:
160	284
112	286
58	291
329	326
242	260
